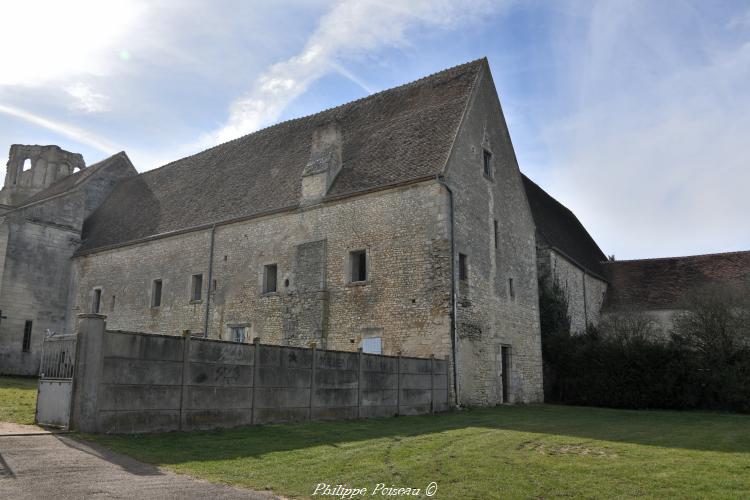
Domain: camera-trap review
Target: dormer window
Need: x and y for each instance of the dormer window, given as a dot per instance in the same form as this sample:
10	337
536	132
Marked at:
487	164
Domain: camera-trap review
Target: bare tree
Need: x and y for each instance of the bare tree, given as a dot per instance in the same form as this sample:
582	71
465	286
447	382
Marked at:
627	327
715	320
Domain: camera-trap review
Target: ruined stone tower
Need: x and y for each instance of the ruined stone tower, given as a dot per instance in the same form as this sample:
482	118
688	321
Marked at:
34	168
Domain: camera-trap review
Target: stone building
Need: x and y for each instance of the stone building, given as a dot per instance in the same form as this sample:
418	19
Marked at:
397	223
657	288
566	252
40	229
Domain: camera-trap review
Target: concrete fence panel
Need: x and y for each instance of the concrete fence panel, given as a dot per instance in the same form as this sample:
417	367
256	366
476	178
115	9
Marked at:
130	382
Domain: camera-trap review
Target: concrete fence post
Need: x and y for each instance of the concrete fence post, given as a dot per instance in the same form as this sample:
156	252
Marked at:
256	372
432	383
448	381
88	372
312	379
186	340
398	384
360	372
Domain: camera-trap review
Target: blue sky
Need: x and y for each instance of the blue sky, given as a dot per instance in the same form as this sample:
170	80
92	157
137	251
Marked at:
635	114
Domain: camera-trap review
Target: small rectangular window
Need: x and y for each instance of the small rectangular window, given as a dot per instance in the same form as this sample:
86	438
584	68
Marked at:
487	159
358	259
511	290
156	293
270	278
238	333
27	337
112	306
494	227
463	267
96	306
196	288
372	345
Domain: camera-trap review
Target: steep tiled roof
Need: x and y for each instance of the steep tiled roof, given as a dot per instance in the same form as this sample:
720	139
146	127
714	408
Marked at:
392	137
661	283
561	229
73	180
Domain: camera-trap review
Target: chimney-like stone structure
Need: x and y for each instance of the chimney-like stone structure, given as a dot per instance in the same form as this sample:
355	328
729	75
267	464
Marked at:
324	164
49	164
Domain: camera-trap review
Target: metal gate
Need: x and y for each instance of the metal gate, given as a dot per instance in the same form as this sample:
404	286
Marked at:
56	380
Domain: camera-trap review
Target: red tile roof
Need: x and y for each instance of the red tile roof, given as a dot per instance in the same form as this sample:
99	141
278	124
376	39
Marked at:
662	283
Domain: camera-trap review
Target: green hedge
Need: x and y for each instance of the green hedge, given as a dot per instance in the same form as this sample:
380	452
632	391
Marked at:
593	370
628	368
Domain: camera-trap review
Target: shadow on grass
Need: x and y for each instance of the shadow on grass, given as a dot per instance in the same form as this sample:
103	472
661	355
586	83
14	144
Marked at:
668	429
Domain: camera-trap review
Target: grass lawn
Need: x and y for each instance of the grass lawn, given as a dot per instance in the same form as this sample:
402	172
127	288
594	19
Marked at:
17	399
505	452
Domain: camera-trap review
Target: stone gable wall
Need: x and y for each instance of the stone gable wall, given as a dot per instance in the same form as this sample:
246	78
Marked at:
488	316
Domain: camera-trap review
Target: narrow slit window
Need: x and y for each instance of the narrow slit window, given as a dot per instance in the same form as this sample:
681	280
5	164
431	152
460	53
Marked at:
270	278
96	306
112	305
495	234
358	260
156	293
487	164
196	288
463	267
511	289
27	337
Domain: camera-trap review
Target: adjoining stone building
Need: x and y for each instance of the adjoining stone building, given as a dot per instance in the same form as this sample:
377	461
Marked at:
40	229
658	288
598	288
567	253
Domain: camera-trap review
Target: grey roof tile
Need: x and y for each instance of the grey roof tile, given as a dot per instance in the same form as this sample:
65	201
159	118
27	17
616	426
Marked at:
562	229
395	136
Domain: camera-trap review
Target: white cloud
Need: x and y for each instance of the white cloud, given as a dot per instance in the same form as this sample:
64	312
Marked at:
351	29
87	100
42	41
650	152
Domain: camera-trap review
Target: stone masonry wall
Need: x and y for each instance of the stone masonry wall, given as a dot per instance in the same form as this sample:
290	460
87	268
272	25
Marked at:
584	291
36	245
405	300
489	315
34	288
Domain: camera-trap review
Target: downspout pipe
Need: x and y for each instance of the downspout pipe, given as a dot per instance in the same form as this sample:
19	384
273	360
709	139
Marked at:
454	291
209	285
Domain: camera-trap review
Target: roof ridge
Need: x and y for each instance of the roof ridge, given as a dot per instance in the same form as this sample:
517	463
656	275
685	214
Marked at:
401	87
714	254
